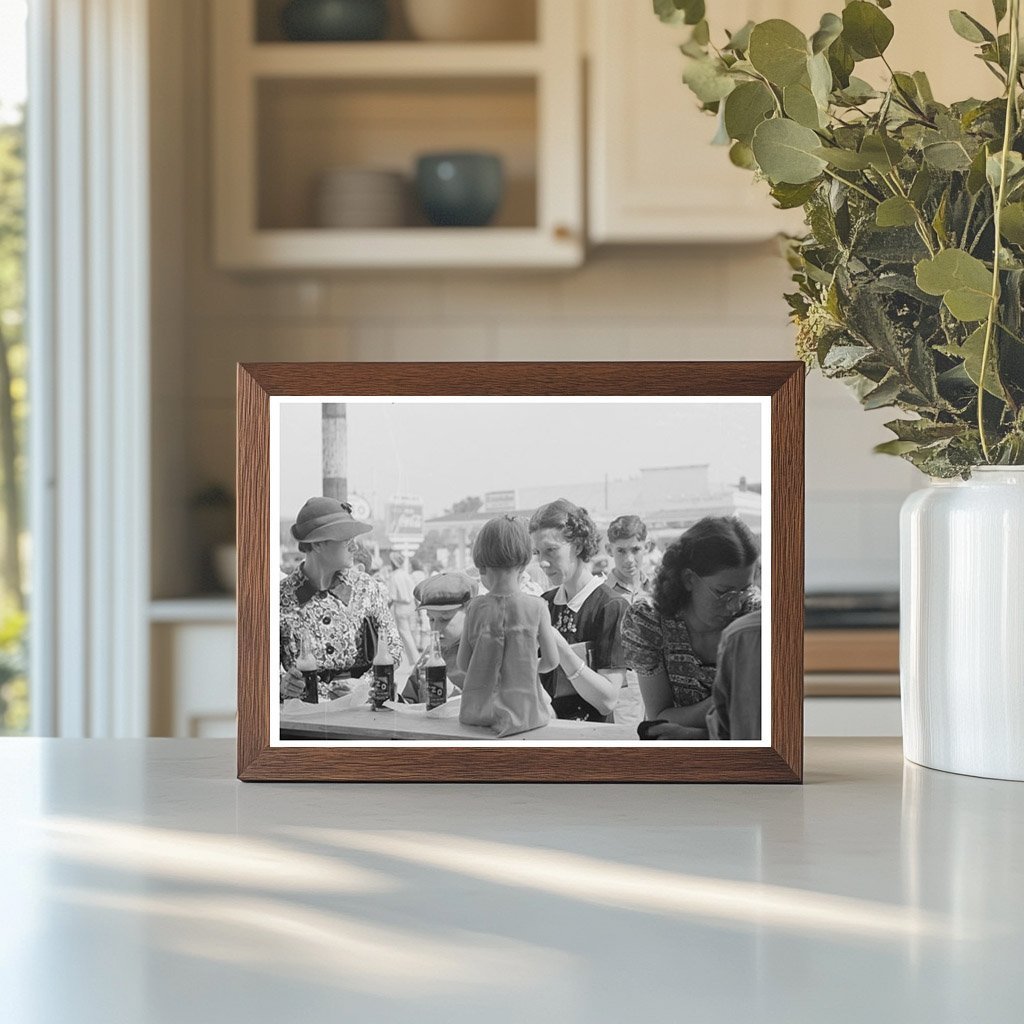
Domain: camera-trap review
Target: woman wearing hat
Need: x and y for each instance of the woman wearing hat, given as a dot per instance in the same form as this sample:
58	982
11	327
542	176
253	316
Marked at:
327	599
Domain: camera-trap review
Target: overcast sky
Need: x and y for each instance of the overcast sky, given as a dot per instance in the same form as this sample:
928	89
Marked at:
442	452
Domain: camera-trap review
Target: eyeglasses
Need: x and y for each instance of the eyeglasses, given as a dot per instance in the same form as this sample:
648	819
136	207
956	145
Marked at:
730	598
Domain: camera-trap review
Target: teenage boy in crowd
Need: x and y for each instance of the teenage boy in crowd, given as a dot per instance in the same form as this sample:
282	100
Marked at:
627	544
444	598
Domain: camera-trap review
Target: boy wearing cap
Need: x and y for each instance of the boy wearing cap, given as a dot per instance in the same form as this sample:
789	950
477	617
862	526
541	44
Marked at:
444	598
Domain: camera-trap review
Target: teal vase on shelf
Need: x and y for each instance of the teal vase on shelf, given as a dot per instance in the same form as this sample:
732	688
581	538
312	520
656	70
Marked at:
330	21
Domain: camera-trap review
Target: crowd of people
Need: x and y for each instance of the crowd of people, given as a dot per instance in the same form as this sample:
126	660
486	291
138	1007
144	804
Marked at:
667	642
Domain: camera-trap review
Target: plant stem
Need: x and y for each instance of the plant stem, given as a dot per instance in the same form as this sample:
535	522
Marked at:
850	184
993	309
769	87
922	225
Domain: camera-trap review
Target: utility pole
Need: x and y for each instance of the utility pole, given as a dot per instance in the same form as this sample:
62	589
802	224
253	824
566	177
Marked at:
335	451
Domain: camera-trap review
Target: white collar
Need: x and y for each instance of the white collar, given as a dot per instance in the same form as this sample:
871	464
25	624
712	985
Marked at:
577	602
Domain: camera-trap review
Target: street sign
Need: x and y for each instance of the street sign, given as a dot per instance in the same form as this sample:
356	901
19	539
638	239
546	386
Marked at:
404	519
500	501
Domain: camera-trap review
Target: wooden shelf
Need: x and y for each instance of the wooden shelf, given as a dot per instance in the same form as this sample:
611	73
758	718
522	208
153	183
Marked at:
393	60
401	247
852	650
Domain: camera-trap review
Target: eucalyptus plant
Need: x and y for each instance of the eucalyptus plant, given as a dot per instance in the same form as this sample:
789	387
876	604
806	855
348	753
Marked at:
910	278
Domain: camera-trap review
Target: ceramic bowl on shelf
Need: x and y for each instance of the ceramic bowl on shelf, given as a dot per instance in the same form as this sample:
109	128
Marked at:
460	189
331	21
471	20
361	198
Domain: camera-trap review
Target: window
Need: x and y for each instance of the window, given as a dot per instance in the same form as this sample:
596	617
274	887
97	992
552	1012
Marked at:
14	692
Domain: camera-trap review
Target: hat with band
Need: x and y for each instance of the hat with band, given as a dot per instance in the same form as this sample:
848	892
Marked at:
327	519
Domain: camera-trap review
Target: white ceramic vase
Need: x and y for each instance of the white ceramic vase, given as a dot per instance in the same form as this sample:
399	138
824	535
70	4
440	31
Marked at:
962	624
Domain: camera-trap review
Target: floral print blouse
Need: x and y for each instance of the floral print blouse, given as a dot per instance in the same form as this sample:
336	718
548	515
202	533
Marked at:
333	627
653	641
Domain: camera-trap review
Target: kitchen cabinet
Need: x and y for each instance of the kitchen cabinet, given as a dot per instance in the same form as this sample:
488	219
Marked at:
653	175
287	113
192	647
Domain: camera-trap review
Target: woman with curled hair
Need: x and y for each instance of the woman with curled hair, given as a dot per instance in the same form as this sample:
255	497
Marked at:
583	609
706	580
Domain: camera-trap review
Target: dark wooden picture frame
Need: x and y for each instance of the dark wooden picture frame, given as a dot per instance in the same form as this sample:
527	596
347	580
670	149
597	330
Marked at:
779	761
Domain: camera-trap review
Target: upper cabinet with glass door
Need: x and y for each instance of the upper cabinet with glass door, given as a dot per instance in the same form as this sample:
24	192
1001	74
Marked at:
654	175
449	134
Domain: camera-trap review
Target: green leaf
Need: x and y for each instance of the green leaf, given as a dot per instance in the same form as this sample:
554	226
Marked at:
668	12
785	152
789	197
947	156
694	11
679	12
707	80
800	105
844	159
1012	224
924	88
999	6
968	28
739	41
963	281
906	88
895	447
994	167
866	29
971	352
742	155
820	75
976	175
921	186
923	431
885	394
859	91
778	50
830	29
841	60
701	33
939	220
896	212
745	108
883	153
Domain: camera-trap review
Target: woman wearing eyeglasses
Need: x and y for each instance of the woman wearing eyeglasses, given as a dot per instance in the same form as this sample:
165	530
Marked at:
706	580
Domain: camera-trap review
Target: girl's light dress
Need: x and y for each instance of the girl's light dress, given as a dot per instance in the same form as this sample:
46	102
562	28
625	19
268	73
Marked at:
502	690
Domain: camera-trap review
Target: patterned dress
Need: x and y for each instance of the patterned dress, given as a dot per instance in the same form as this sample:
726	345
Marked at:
653	641
331	625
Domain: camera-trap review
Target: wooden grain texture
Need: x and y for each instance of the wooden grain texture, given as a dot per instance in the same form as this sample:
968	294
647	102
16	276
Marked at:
852	650
645	762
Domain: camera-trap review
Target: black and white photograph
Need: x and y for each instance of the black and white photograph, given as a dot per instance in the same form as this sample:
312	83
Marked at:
558	571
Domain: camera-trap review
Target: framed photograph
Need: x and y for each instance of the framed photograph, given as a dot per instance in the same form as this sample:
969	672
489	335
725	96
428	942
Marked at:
516	572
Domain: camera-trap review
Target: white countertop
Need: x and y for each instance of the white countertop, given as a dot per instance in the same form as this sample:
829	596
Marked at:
143	884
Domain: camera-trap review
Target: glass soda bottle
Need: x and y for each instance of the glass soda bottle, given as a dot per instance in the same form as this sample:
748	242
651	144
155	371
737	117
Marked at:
383	686
307	664
436	672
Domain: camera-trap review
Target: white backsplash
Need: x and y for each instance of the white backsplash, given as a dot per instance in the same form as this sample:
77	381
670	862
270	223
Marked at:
703	303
